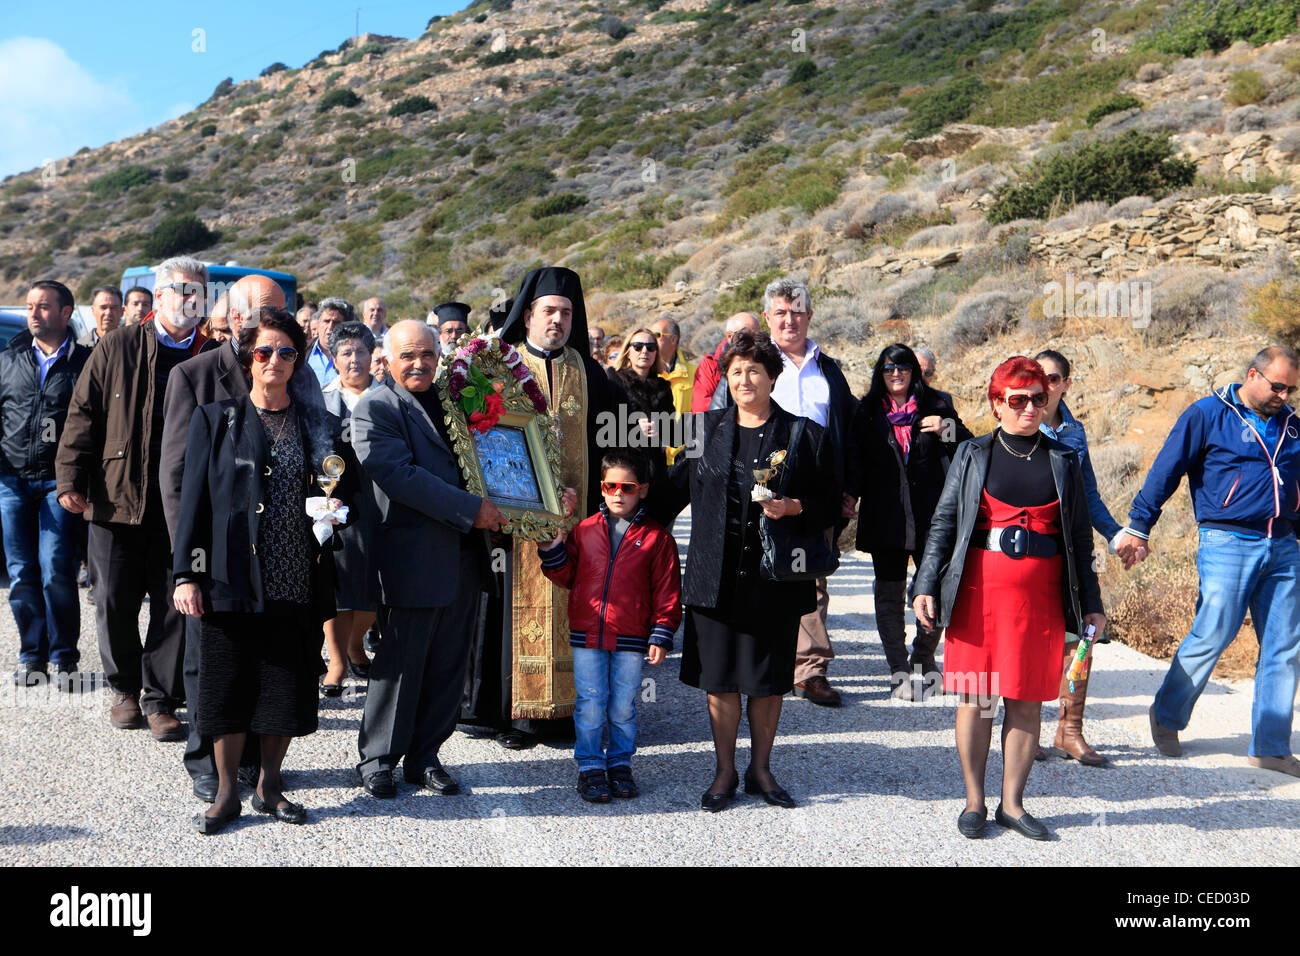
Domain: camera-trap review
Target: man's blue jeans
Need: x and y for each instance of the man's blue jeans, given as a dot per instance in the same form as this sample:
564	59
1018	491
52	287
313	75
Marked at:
41	556
1238	574
607	683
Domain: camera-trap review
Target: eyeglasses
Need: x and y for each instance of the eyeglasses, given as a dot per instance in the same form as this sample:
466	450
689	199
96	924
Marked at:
643	346
1054	378
891	367
263	353
1017	403
664	335
626	487
183	288
1277	387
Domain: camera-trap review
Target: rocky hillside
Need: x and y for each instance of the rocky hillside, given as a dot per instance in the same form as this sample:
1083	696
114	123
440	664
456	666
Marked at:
963	175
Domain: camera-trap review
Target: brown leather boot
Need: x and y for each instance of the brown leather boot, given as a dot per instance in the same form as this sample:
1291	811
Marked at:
1069	741
124	714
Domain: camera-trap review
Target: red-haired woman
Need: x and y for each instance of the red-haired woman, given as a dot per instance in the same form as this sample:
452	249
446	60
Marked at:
1010	530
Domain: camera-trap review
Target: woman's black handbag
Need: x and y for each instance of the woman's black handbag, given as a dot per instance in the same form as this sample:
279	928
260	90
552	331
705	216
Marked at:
789	555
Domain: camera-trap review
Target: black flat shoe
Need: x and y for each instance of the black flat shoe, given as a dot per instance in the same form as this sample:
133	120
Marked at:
359	671
209	825
289	813
971	824
776	796
1025	826
436	779
379	784
716	802
514	740
331	690
205	787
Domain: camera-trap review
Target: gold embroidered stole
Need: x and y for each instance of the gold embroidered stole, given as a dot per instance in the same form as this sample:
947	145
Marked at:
542	661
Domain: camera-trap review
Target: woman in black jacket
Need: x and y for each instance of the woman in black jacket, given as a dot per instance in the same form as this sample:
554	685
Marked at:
247	562
902	439
1010	533
650	397
741	630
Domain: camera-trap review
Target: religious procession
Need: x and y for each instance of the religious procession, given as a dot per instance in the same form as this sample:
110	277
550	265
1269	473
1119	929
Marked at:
472	522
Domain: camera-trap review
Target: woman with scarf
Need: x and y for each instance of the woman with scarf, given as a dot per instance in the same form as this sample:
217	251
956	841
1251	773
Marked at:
902	439
650	397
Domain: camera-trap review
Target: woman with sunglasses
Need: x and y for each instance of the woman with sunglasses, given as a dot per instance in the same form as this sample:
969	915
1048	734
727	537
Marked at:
650	398
1010	533
1058	423
247	563
742	630
903	437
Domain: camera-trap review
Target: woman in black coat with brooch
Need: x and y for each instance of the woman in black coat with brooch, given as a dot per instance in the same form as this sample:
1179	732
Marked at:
741	630
247	562
650	397
901	442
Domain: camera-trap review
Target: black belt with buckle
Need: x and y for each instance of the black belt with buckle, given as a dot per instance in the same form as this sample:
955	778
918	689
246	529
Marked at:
1016	541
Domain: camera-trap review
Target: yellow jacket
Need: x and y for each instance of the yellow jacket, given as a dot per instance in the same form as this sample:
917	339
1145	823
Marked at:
682	380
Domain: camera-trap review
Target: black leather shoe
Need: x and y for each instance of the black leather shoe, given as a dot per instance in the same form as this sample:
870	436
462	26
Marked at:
371	641
515	740
621	783
209	825
716	802
971	824
289	813
1025	826
593	787
380	784
359	671
776	796
70	682
30	675
436	779
331	690
205	787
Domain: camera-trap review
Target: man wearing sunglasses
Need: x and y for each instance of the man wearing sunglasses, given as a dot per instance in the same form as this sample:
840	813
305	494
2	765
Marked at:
107	469
1240	450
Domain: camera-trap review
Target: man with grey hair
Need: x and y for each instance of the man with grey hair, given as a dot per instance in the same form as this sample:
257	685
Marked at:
107	469
304	318
334	311
709	390
929	362
810	384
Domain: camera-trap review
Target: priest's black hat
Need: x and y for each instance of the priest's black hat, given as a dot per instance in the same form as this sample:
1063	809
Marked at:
548	280
497	315
452	312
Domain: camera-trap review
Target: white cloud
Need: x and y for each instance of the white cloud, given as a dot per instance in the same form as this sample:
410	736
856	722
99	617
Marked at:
50	106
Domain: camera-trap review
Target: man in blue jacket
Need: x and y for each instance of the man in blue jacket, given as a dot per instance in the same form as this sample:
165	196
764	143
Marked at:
1240	450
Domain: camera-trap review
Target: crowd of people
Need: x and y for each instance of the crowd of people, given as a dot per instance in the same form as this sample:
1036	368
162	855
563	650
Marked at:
279	483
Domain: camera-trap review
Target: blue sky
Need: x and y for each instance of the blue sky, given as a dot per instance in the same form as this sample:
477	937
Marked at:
77	73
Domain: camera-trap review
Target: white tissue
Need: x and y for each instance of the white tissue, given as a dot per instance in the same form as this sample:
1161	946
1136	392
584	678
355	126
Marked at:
324	518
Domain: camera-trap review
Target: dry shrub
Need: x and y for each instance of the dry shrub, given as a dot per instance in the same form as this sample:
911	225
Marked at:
1277	310
895	330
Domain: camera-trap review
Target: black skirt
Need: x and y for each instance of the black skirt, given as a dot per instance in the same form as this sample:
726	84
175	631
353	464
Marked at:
720	658
258	673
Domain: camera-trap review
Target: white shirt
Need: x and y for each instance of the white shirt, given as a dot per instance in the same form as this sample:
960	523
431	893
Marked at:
803	389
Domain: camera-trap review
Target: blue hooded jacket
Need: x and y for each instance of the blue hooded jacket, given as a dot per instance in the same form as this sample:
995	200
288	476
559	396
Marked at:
1242	480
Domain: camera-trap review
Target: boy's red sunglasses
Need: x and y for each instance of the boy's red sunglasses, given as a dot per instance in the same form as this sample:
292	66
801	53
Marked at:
627	487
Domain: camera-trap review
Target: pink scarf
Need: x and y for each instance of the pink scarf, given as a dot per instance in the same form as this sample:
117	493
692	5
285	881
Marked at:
901	416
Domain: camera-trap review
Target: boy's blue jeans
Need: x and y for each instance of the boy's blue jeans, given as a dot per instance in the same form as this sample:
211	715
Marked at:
1237	574
40	546
607	683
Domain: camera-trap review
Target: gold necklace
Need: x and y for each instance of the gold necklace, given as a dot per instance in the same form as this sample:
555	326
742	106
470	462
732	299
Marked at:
1038	436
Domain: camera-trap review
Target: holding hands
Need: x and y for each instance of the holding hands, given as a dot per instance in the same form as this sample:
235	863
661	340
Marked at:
1130	548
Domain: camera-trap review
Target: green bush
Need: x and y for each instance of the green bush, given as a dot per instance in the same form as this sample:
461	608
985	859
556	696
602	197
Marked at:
950	103
1135	164
803	71
299	240
516	183
340	97
557	205
396	206
1216	24
276	67
209	129
1116	104
121	180
1245	87
412	104
178	234
174	174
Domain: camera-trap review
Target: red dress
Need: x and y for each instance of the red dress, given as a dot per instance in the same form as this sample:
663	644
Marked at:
1007	635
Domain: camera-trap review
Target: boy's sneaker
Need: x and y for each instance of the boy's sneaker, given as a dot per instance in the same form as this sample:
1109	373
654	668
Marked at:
621	782
593	787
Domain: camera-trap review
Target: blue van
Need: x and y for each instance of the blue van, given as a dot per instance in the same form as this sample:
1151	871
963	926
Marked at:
220	278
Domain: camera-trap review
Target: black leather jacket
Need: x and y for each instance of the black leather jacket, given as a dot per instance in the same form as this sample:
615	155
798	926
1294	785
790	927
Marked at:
952	526
32	415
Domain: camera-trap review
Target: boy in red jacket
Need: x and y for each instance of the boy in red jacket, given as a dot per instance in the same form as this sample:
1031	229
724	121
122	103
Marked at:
625	598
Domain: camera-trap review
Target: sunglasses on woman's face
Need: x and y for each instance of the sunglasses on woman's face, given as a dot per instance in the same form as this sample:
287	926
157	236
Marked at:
1018	402
263	353
626	487
644	346
1053	378
891	367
